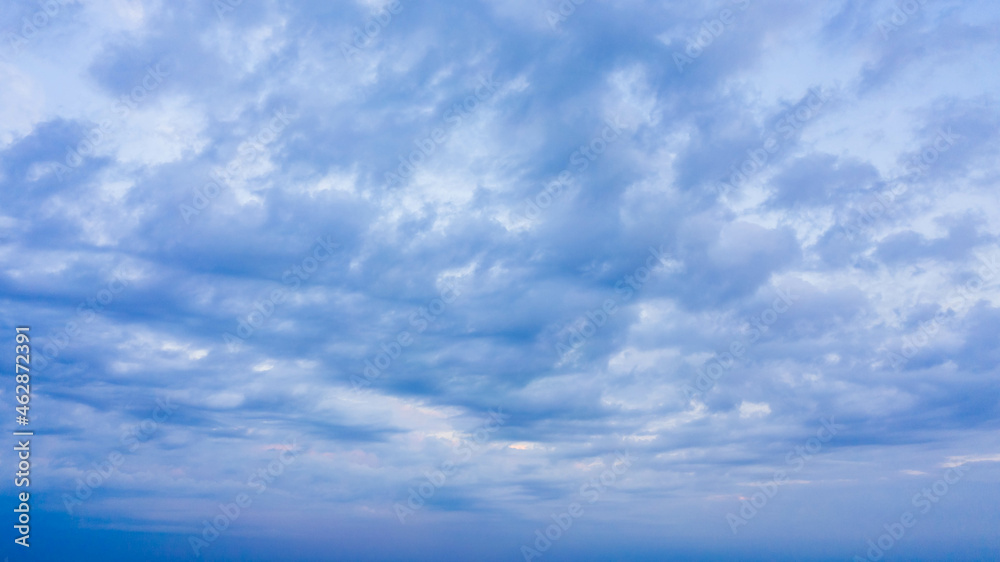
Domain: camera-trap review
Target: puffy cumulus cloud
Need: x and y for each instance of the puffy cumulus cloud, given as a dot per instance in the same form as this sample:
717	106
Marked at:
484	263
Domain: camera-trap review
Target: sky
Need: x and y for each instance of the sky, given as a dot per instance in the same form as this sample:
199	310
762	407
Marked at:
574	280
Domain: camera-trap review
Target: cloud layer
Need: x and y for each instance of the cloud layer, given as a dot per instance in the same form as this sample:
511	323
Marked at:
413	278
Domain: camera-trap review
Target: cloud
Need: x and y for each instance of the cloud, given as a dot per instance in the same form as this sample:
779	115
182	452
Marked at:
151	204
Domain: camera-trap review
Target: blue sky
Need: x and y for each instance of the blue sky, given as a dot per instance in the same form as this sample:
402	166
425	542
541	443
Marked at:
506	280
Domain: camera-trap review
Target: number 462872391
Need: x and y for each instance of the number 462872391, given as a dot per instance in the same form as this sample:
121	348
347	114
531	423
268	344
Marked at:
22	372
